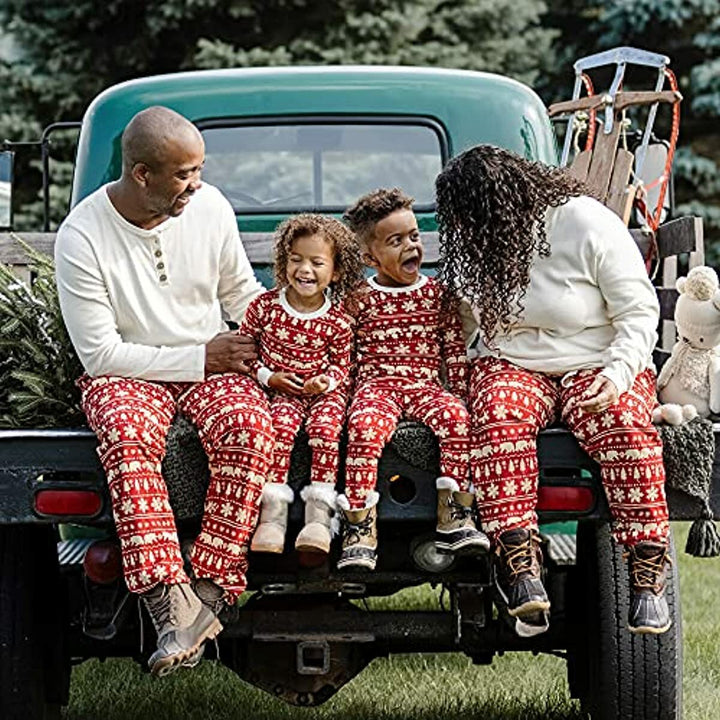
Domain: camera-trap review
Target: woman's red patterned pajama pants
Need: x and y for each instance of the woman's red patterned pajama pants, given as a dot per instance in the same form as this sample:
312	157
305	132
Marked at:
323	415
510	405
372	419
131	419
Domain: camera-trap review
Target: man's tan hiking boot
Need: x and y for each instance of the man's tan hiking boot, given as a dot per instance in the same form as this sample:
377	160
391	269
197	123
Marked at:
182	623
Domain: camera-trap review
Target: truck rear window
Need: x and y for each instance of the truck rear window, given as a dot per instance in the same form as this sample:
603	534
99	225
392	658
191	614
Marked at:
290	167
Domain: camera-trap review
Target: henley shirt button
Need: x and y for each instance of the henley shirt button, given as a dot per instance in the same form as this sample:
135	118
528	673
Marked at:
163	278
158	253
160	266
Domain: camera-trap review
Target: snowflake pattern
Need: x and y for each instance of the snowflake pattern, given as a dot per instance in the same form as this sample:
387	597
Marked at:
633	477
402	343
129	415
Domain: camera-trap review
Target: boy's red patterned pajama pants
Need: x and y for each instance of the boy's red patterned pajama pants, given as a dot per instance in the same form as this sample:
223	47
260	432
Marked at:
323	415
372	419
510	405
131	419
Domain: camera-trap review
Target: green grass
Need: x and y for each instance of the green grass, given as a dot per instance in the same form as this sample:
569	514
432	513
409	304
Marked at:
407	687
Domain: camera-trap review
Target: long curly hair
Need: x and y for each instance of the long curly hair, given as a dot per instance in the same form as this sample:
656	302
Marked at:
346	251
490	206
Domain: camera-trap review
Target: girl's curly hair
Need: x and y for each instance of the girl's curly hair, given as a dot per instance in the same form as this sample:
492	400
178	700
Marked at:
490	206
346	251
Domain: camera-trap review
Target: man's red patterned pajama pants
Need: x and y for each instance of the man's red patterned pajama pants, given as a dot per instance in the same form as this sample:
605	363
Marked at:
372	419
510	405
323	415
131	419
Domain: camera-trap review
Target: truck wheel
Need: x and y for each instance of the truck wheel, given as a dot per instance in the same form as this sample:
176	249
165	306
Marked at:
34	664
618	675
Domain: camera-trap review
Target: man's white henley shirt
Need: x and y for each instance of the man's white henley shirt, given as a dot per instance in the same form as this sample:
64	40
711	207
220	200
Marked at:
143	303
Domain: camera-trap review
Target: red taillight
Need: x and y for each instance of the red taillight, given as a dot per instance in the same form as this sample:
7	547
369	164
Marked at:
102	562
564	498
68	502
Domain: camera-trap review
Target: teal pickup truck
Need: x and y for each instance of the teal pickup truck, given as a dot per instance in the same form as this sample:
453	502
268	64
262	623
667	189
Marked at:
280	141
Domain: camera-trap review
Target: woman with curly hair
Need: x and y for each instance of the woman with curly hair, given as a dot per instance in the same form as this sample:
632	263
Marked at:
304	340
566	324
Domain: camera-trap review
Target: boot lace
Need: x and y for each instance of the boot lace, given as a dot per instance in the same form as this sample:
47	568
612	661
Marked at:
644	572
353	531
162	609
519	557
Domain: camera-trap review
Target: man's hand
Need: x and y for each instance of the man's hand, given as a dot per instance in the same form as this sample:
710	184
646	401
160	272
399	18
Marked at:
601	395
317	385
229	352
286	382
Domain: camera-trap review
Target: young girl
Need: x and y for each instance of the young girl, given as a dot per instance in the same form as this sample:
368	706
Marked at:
304	344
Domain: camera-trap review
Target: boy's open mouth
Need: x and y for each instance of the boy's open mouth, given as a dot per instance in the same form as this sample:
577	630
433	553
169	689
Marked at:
411	265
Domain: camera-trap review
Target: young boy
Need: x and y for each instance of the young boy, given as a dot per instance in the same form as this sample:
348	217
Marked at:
404	333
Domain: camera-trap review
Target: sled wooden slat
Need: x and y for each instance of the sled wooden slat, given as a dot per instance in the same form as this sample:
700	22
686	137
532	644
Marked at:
603	160
621	193
622	101
581	165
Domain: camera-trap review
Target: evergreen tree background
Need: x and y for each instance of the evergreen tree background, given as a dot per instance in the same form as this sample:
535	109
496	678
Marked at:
58	55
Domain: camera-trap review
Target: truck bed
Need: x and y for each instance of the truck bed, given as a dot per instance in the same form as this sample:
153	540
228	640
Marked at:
35	460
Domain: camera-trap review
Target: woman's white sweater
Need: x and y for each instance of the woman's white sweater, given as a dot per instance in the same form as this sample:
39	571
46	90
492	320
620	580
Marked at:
589	304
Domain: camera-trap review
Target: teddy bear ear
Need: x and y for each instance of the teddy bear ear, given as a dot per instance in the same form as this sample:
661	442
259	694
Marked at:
680	284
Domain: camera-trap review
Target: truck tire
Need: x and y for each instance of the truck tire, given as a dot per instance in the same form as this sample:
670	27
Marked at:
618	675
34	664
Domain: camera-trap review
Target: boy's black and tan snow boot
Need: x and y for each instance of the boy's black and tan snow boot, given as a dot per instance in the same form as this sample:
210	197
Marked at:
456	531
359	534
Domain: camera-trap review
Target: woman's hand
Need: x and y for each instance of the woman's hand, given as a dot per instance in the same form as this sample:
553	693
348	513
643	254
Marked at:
317	385
601	395
285	382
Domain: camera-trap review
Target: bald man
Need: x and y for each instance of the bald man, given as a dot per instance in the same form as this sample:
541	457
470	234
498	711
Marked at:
148	267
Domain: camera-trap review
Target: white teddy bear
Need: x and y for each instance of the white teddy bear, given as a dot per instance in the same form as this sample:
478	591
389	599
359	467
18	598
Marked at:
689	382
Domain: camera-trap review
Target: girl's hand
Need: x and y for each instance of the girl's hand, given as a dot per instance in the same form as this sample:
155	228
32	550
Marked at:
286	382
317	385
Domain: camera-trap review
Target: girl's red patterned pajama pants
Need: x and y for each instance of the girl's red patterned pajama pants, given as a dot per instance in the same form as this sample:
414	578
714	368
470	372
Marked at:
510	405
323	415
131	419
372	419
